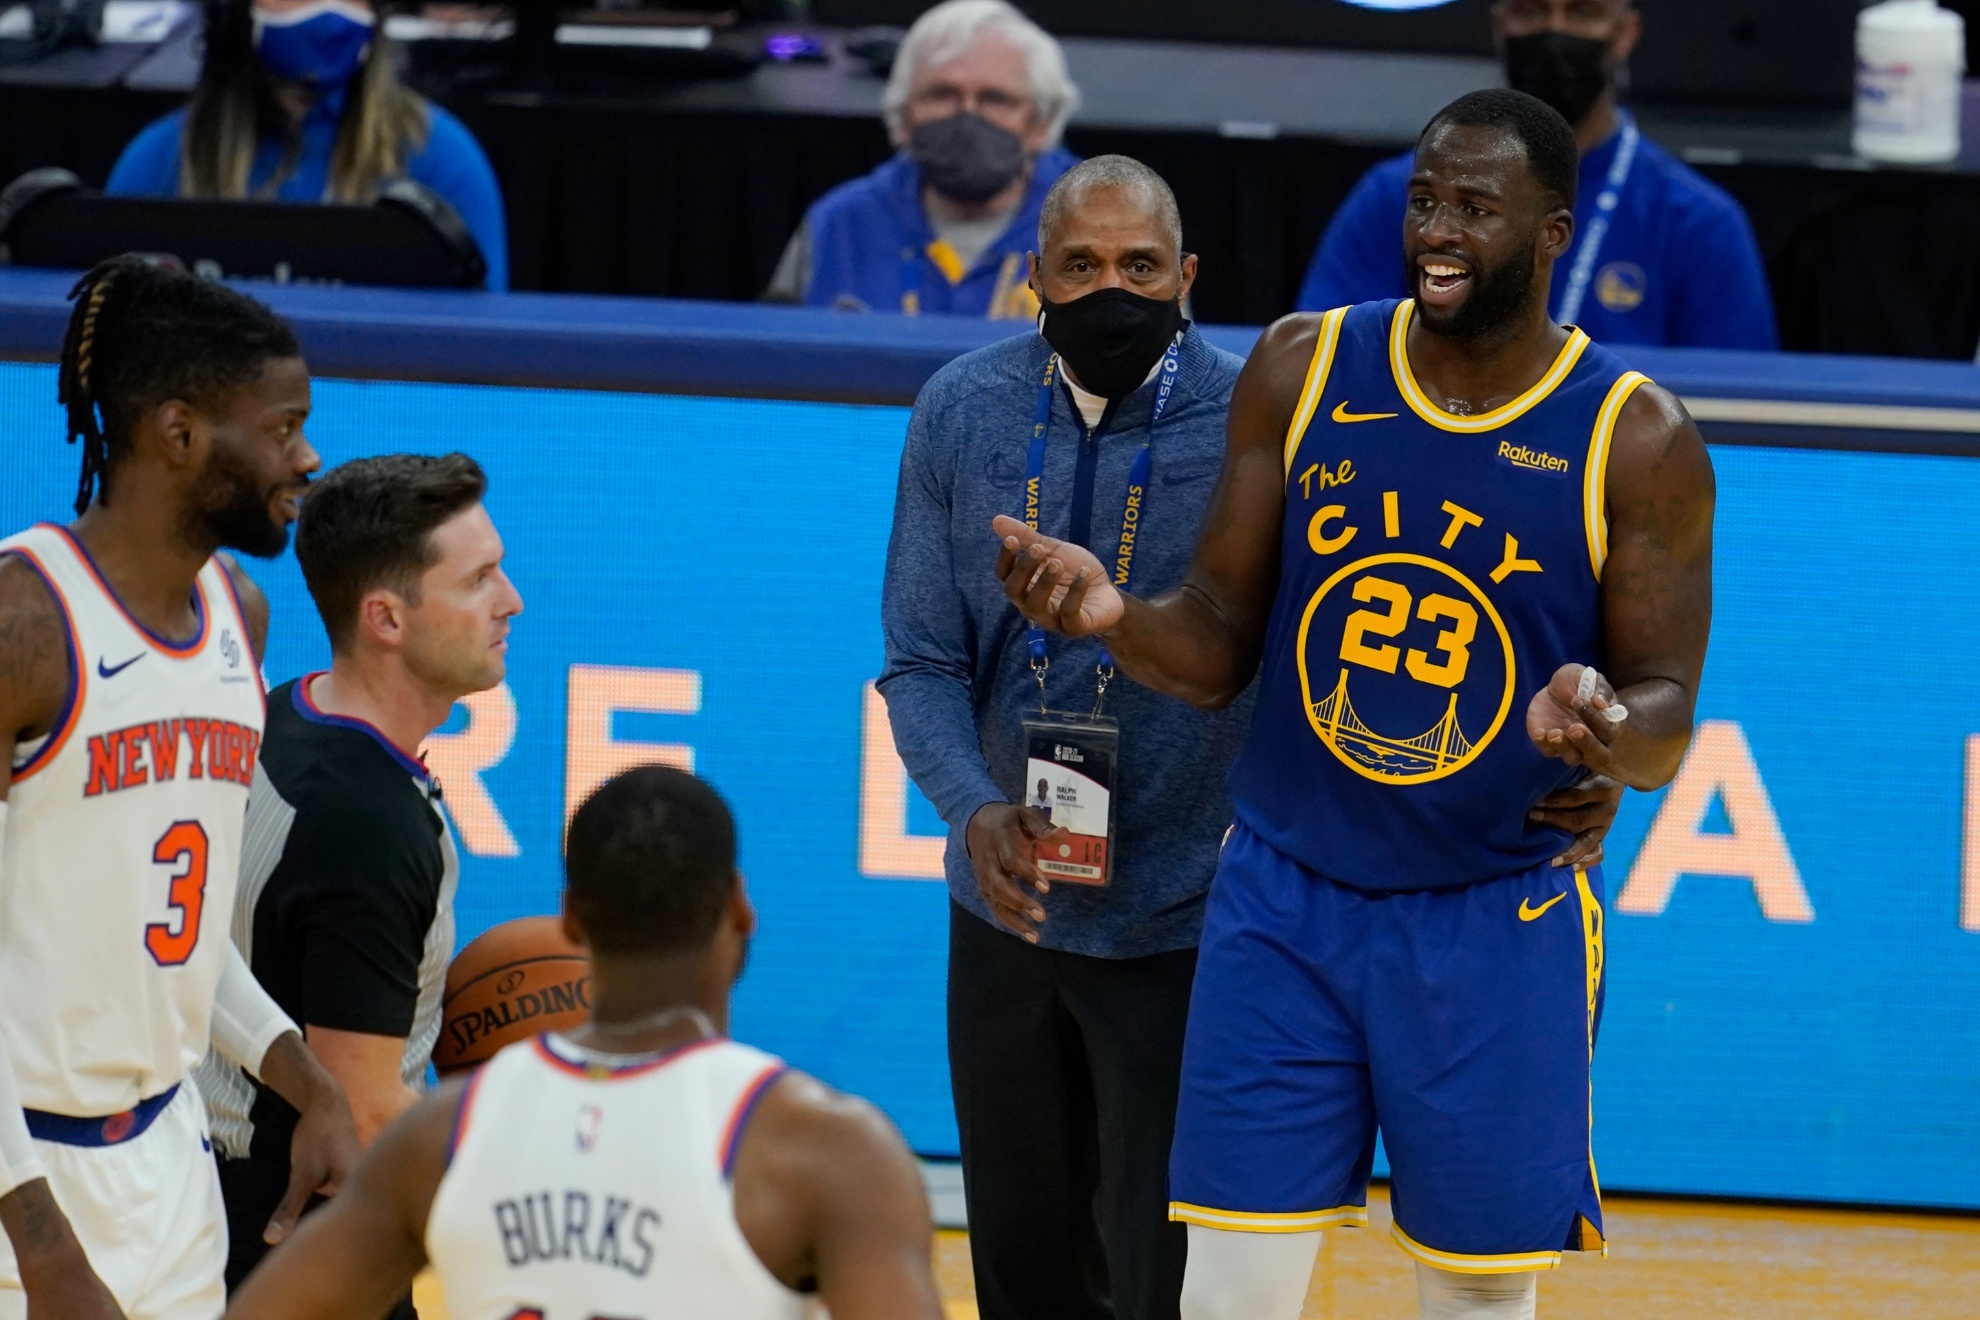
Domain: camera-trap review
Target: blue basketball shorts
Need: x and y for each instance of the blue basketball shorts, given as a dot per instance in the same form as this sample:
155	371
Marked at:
1460	1023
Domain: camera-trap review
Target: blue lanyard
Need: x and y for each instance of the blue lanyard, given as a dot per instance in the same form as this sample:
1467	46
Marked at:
1598	228
1132	506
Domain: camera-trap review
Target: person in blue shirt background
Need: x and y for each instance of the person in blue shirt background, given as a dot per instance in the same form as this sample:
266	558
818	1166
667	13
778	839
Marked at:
976	102
1661	255
299	101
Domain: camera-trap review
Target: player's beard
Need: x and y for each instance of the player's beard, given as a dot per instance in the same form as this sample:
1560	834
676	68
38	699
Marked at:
232	511
1498	295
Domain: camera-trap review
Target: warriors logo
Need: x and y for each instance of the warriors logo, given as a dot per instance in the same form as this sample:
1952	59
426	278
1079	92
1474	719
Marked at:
1405	668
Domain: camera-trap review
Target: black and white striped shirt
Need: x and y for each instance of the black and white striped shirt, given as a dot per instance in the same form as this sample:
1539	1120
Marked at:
345	909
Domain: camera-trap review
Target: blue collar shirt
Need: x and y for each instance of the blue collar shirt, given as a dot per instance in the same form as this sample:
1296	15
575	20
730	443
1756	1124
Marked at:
958	679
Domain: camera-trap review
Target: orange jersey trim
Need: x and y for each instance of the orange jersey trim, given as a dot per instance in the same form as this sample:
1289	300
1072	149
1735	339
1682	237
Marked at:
601	1073
455	1137
745	1107
71	716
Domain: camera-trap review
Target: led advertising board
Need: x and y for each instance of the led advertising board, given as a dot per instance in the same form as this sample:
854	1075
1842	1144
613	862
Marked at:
1794	942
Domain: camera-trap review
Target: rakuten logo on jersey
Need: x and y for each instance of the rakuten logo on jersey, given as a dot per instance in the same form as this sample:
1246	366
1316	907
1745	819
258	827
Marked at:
149	754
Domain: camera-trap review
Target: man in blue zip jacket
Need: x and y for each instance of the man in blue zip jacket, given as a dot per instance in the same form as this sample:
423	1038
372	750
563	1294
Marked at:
1067	1001
976	103
1661	255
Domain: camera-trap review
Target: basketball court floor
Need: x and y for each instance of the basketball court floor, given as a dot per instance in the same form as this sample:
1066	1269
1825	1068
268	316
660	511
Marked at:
1668	1260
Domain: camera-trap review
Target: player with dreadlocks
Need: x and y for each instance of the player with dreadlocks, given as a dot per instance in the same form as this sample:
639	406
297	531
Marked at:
130	694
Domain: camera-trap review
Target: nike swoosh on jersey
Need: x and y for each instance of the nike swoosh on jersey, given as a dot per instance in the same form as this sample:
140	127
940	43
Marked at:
1341	414
1527	913
111	671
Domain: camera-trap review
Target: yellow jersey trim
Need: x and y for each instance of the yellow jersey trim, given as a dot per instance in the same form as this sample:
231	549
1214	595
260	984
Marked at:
1592	1238
1242	1221
1316	381
1595	481
1591	927
947	260
1013	300
1420	404
1458	1263
1595	945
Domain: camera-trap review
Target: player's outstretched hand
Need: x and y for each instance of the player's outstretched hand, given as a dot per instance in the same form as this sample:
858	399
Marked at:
1586	810
1576	717
324	1148
1000	840
1055	584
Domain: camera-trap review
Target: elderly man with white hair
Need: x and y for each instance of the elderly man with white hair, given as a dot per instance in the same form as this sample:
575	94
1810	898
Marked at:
977	101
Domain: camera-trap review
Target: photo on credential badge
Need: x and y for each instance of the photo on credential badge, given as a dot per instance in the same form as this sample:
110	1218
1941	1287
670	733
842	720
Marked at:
1069	765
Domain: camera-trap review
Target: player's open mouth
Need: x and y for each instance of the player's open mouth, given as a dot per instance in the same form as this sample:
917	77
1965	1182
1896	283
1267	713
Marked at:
1441	281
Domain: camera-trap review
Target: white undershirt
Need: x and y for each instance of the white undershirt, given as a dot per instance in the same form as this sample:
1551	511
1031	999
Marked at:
1091	405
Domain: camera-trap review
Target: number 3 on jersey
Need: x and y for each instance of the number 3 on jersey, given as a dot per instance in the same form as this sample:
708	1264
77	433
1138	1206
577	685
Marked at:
183	846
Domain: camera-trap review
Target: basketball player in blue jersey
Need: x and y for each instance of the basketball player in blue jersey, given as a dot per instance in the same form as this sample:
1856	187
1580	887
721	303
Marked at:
1468	555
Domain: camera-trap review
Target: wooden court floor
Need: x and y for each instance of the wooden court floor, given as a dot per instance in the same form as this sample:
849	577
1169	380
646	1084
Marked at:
1668	1260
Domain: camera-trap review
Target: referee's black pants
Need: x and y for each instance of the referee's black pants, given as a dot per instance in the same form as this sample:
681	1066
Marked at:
1065	1070
251	1190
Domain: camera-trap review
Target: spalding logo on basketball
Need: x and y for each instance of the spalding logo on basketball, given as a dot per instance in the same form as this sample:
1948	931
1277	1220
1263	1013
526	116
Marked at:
514	981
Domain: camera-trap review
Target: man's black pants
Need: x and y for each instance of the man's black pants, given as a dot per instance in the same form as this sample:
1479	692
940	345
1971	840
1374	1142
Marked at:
1065	1071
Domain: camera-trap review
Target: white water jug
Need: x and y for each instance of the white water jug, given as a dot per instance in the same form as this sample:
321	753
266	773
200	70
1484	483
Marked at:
1910	55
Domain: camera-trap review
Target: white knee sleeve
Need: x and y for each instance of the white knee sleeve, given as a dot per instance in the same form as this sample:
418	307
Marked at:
1444	1295
1247	1276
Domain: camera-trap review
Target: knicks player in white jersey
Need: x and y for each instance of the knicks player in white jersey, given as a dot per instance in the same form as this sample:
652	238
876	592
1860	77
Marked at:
643	1167
130	695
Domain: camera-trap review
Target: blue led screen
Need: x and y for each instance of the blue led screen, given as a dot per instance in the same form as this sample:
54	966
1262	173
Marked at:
1794	942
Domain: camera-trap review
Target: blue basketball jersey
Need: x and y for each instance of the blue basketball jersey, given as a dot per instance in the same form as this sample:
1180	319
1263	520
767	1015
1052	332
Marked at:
1435	571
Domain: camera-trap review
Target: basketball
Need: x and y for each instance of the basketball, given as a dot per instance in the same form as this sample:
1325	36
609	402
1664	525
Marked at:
509	983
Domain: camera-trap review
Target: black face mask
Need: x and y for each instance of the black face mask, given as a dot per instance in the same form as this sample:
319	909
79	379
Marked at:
1567	72
966	157
1111	338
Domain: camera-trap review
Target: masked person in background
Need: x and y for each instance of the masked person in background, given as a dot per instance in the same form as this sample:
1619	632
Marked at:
300	101
976	103
1661	255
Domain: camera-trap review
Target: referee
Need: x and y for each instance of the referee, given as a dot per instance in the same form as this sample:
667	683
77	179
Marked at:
348	868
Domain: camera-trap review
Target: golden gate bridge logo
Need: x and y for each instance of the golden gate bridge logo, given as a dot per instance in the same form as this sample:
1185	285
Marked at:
1425	653
1444	745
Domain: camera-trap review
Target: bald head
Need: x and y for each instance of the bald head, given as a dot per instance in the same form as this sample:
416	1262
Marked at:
1110	223
1131	182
